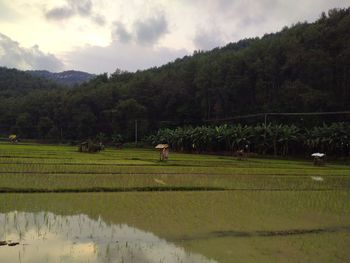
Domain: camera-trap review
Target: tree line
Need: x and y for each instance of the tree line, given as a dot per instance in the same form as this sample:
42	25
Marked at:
272	139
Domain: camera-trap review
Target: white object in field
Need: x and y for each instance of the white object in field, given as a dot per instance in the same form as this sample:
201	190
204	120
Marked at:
317	178
159	181
317	154
162	146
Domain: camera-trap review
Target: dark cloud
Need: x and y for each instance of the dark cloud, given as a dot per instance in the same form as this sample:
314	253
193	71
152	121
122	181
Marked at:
59	13
151	30
120	33
144	32
83	8
14	56
99	20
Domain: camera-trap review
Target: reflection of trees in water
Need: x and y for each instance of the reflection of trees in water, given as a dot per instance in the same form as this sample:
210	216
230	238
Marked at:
46	237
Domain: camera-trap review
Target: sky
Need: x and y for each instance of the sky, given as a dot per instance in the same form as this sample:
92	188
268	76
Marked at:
100	36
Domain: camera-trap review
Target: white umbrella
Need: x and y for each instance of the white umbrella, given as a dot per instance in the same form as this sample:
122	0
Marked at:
162	146
317	154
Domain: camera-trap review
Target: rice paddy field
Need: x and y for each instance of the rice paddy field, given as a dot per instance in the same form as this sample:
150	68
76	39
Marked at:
123	205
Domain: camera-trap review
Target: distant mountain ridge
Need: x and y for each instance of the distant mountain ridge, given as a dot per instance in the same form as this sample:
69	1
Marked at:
69	77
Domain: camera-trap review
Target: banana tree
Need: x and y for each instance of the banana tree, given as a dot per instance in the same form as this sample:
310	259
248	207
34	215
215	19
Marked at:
241	136
288	135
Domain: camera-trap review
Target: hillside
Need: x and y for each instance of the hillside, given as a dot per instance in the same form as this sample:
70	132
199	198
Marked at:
301	68
69	77
14	83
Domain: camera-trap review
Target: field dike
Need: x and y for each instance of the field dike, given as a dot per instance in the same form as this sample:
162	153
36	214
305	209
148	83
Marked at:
107	189
158	189
277	233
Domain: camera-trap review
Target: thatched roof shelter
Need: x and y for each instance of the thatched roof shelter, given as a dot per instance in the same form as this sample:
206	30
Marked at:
13	138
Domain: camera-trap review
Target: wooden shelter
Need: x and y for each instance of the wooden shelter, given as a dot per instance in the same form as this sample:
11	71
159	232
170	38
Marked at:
84	147
90	147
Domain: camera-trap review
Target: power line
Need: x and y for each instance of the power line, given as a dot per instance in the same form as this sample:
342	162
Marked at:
266	114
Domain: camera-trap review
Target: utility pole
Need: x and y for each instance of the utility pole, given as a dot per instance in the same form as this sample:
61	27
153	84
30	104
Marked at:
135	131
265	121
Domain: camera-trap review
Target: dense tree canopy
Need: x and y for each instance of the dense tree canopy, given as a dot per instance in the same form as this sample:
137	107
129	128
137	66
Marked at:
302	68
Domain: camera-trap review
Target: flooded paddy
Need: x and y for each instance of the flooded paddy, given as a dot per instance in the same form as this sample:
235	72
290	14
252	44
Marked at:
46	237
176	227
59	205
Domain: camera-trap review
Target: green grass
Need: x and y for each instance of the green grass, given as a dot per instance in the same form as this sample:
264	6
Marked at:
48	168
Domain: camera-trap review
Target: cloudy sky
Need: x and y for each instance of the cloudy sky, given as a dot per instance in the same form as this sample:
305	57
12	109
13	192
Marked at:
102	35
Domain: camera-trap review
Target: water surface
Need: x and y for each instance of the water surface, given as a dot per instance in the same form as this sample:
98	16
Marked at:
211	226
46	237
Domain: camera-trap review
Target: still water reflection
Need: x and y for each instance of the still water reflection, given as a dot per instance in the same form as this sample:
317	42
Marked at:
46	237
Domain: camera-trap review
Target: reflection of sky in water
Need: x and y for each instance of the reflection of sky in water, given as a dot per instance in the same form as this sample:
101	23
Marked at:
45	237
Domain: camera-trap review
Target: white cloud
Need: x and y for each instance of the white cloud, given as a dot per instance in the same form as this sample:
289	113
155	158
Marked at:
14	56
147	33
126	56
7	13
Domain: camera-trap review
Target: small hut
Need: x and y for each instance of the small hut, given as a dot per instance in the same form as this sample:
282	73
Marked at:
164	151
13	138
90	147
84	147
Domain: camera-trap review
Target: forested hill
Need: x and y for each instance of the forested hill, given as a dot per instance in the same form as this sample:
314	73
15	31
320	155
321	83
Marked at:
14	83
305	67
302	68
